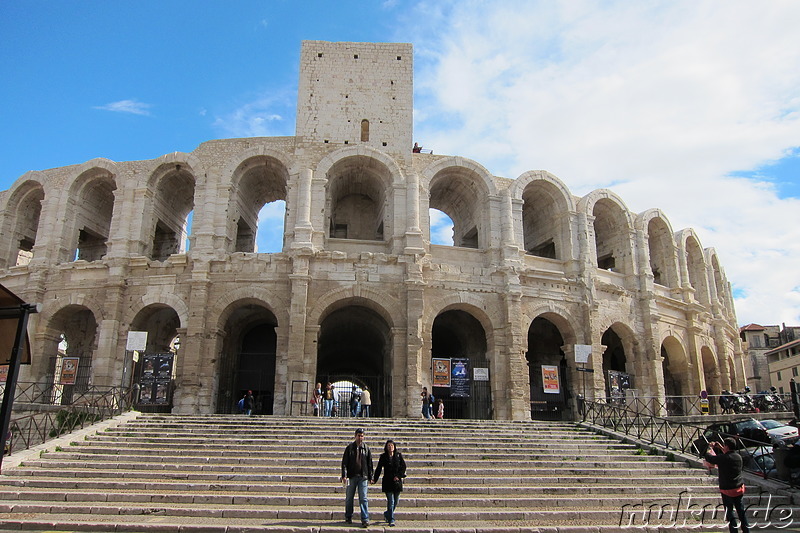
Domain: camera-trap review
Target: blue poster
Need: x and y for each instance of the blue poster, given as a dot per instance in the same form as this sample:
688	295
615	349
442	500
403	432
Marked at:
459	382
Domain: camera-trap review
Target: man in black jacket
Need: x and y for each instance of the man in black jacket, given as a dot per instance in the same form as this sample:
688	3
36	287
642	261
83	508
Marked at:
731	484
357	471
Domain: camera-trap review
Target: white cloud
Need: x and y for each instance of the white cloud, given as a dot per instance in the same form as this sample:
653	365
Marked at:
254	119
127	106
661	101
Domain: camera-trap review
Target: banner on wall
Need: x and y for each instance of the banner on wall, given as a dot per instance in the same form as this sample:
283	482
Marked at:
441	372
155	378
459	378
69	370
550	379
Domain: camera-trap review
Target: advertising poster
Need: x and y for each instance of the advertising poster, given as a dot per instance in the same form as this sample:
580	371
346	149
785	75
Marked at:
550	379
69	370
441	372
3	373
155	378
459	378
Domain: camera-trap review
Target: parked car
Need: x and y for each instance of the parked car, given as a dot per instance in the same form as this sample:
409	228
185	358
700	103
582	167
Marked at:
749	431
760	460
779	431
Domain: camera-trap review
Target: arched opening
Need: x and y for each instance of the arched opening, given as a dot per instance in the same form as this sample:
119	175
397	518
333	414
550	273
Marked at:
72	334
550	382
618	380
675	369
259	205
697	270
457	192
710	370
441	228
611	236
248	358
662	253
172	205
365	131
357	204
458	336
153	371
93	207
543	214
355	348
23	211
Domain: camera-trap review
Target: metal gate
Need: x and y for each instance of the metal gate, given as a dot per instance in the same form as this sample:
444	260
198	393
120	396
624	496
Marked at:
380	396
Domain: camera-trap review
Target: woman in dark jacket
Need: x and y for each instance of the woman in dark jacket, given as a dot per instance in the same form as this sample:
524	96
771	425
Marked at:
394	470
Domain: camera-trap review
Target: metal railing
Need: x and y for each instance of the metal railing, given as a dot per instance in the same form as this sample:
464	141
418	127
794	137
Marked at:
666	406
51	415
759	457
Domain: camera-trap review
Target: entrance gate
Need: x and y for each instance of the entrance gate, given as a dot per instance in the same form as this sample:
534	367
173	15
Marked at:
379	395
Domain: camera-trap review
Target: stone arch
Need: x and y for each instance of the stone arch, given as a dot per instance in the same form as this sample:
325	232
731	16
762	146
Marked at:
88	212
386	306
69	331
661	249
458	331
21	219
675	369
546	207
167	299
547	339
173	183
219	311
720	283
248	352
257	180
359	194
619	356
461	189
560	315
356	344
696	268
612	225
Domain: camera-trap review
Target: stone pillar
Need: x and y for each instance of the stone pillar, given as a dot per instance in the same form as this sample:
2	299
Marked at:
303	228
197	382
414	242
301	356
418	363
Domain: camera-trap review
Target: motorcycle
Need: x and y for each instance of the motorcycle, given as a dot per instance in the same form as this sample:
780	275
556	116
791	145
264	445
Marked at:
737	402
727	402
767	401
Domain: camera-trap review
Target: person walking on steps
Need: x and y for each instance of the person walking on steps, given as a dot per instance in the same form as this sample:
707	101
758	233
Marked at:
357	472
366	402
427	399
731	484
394	470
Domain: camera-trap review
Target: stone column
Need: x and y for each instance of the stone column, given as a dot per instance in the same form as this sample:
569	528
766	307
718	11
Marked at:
418	362
301	356
303	228
414	242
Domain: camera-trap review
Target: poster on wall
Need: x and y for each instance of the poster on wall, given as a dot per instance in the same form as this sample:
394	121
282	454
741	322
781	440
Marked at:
3	373
69	370
441	372
550	379
459	378
155	378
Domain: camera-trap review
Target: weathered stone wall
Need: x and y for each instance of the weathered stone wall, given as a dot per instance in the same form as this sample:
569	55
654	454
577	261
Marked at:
528	249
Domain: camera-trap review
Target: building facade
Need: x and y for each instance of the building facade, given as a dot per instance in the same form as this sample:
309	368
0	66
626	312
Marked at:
358	291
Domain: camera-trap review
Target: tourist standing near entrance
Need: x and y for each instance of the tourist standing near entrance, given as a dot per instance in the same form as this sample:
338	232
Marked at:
394	470
439	409
249	403
731	484
357	472
366	402
355	402
330	397
316	399
426	403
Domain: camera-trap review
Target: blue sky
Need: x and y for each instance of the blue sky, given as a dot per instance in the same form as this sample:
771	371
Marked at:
689	106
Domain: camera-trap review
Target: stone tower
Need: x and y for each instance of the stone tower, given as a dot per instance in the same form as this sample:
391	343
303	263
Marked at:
356	93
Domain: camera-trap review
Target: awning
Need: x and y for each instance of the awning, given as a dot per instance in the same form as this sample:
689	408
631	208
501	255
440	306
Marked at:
8	329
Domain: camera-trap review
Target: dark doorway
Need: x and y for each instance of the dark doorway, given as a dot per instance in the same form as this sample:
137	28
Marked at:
458	334
550	381
256	370
355	346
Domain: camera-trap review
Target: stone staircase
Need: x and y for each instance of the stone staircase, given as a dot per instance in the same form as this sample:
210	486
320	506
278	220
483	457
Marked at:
236	474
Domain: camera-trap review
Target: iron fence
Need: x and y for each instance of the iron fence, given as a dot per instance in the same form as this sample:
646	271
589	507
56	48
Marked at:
670	406
759	457
51	415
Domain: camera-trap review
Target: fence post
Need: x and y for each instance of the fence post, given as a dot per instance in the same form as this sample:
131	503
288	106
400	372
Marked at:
795	398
